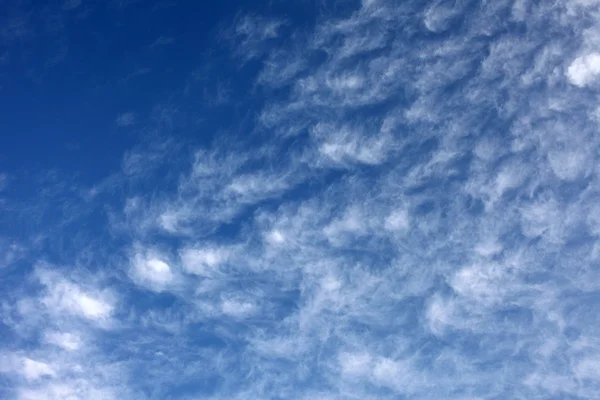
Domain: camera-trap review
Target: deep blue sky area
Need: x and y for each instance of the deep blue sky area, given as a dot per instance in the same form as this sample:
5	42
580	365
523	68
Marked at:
115	57
311	200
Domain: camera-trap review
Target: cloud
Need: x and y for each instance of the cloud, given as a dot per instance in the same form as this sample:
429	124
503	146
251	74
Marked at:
408	206
64	296
250	35
151	269
355	365
33	370
65	340
237	309
30	370
203	261
584	69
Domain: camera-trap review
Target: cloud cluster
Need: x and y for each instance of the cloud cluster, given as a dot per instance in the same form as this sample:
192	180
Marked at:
63	317
414	215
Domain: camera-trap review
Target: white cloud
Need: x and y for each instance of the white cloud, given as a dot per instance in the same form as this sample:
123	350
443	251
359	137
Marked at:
63	295
483	282
398	220
275	237
151	269
411	206
252	187
203	261
390	373
30	369
584	69
588	368
71	389
65	340
440	314
68	297
33	370
570	164
237	308
544	218
350	224
355	364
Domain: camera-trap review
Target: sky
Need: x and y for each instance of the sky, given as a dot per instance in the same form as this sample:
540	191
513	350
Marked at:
304	199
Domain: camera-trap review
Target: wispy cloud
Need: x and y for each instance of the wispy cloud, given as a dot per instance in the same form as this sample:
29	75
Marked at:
250	35
411	212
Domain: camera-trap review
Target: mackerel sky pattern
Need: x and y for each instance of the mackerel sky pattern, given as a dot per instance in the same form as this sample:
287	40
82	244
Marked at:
311	199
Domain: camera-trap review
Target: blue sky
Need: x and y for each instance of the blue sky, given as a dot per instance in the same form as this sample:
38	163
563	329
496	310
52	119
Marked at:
321	200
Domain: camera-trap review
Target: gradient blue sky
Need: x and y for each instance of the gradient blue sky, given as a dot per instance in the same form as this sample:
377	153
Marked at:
312	199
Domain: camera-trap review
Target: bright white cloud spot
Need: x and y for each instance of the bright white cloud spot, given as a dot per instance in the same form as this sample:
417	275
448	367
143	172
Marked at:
65	296
275	237
397	221
481	282
355	364
152	271
33	370
203	261
330	284
237	309
89	307
65	340
584	69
